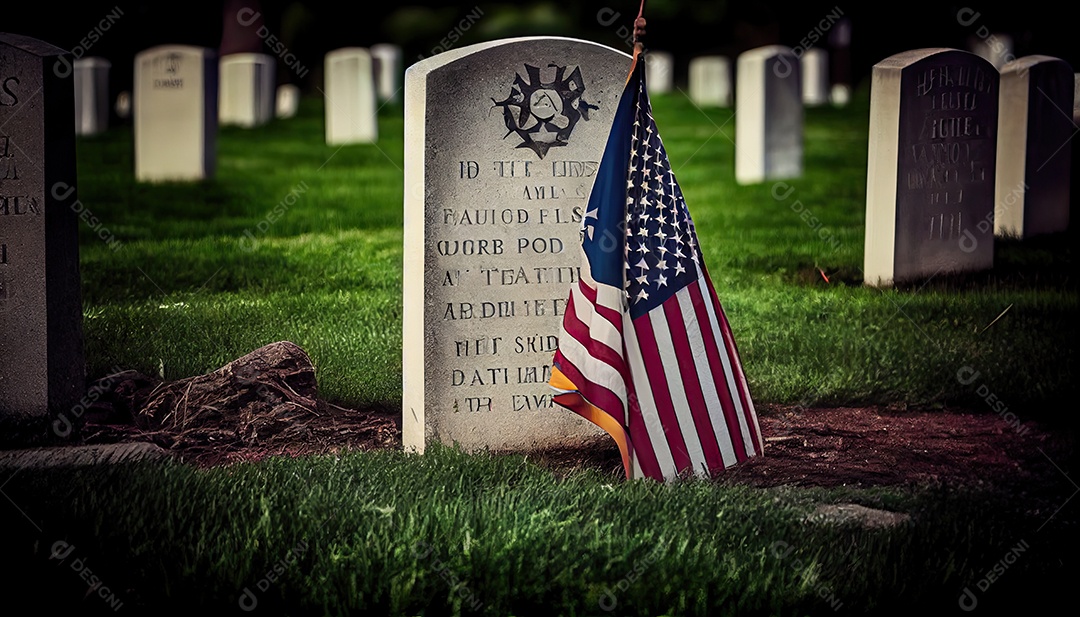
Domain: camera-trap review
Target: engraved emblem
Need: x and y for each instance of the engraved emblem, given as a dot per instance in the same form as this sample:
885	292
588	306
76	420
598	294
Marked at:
543	113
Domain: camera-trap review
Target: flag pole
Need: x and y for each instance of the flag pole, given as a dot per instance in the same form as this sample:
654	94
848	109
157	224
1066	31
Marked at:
639	35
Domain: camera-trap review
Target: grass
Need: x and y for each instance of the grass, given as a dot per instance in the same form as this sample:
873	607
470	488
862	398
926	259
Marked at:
297	240
451	533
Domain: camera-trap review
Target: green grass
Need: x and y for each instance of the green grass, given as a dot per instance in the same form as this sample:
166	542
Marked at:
297	240
450	533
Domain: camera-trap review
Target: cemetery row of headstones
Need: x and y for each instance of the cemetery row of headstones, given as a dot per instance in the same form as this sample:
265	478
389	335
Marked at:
184	93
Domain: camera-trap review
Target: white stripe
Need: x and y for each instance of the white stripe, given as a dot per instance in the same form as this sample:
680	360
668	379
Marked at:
673	375
600	329
700	358
595	370
759	446
751	448
651	418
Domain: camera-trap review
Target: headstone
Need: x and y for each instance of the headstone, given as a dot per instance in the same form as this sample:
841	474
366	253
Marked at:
768	116
42	373
710	81
659	72
123	105
387	65
351	114
502	140
997	49
91	95
1032	182
840	95
288	100
248	90
1076	98
815	77
840	62
930	173
176	104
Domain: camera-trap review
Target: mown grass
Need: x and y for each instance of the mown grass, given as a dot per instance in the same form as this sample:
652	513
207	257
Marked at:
451	533
297	240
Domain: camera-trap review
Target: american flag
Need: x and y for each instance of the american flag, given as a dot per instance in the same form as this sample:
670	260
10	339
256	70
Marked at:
645	350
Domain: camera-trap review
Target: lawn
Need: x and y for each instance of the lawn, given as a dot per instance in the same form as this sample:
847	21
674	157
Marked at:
301	241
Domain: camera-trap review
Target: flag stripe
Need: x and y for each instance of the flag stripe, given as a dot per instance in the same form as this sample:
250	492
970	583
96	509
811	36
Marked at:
717	428
649	421
654	366
730	424
680	327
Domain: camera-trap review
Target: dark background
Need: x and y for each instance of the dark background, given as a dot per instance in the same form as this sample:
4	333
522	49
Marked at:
686	28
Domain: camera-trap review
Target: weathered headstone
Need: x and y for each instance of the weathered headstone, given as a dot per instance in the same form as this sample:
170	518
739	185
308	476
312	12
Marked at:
288	100
815	77
710	81
997	49
768	116
248	90
1033	164
387	65
659	72
1076	98
176	104
502	140
930	173
839	41
351	114
42	369
123	105
91	95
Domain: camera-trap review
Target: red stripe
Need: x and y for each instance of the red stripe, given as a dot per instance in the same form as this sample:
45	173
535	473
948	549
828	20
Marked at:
612	315
736	364
654	370
680	333
641	445
598	395
581	332
712	352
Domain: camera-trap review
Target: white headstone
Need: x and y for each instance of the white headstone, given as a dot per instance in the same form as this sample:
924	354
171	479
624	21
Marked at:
176	102
288	100
387	59
710	81
815	77
997	49
351	113
502	140
248	89
1032	182
840	95
930	172
123	105
659	71
768	115
1076	98
91	95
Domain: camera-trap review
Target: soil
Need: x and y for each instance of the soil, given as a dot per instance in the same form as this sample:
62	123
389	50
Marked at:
845	446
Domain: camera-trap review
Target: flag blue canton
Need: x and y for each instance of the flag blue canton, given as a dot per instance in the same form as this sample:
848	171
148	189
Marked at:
653	238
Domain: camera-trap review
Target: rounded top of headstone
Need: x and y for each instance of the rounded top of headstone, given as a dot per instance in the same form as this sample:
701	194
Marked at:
93	63
709	59
247	57
348	51
913	56
1027	62
386	48
31	45
447	57
178	49
767	51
